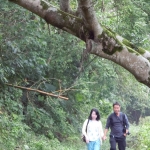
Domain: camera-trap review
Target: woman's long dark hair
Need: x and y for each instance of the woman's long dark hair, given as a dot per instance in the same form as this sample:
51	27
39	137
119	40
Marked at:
97	113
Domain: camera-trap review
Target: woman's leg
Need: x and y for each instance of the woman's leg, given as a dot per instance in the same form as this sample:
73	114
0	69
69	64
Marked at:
97	145
90	145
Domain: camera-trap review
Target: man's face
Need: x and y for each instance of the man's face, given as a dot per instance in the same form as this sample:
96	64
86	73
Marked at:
116	109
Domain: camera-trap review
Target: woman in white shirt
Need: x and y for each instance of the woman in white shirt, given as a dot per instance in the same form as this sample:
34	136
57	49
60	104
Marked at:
94	132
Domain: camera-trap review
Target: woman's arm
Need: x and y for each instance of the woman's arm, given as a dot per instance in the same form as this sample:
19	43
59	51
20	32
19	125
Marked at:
101	129
84	128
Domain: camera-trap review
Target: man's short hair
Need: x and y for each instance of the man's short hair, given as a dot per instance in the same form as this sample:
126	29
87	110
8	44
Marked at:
116	103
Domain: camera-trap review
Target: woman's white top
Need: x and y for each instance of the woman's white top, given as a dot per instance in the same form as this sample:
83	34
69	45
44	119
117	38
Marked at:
94	130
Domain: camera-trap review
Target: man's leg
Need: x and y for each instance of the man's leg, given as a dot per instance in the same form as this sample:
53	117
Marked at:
112	143
122	143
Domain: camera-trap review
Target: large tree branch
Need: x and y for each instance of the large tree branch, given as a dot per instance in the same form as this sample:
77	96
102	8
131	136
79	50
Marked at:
55	16
125	57
89	17
34	6
139	50
65	5
101	41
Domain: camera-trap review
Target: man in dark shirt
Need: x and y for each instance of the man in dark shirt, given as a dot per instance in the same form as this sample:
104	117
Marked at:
119	125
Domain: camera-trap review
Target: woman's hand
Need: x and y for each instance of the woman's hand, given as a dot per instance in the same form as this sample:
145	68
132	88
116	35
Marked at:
87	140
104	137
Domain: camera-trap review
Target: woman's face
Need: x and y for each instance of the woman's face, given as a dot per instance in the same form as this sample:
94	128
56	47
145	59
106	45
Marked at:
93	115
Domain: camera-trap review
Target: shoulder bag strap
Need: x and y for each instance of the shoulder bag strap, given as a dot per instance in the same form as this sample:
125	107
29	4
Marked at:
86	126
123	118
111	120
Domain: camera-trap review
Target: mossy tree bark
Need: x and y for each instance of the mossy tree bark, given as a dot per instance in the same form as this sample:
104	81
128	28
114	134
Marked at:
100	40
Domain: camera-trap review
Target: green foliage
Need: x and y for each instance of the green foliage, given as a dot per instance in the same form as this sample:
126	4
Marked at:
144	133
128	18
15	134
139	138
31	55
12	131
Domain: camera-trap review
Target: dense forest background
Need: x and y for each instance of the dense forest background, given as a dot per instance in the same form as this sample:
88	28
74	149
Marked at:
38	56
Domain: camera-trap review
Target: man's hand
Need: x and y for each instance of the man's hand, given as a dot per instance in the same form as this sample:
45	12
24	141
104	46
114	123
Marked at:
105	133
125	134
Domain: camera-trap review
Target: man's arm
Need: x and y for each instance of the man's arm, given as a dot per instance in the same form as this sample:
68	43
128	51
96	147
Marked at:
105	133
106	128
126	124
